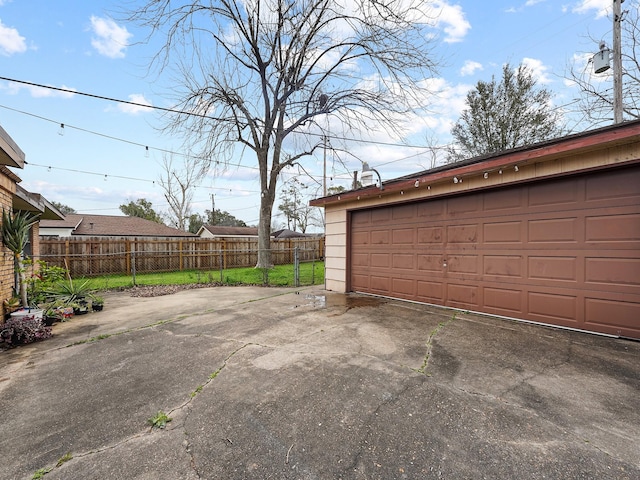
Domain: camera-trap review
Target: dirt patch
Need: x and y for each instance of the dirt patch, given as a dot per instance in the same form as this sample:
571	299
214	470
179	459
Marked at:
158	290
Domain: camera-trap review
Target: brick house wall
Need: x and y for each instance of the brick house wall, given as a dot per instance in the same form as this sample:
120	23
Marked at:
7	190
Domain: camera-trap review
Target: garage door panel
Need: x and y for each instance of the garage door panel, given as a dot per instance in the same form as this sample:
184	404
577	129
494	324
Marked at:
553	268
462	295
509	266
598	187
430	291
360	260
501	233
613	314
618	272
431	211
560	193
401	261
502	301
360	283
430	235
559	252
380	284
402	212
403	236
553	230
429	263
380	237
462	233
463	205
613	228
380	215
361	238
551	307
469	264
403	287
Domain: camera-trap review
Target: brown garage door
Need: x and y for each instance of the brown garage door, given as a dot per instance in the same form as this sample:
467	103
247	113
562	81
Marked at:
563	252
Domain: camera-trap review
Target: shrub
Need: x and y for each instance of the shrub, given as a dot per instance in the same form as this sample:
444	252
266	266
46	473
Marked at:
20	331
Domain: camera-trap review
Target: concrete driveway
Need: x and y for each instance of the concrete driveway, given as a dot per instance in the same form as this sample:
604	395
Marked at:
274	383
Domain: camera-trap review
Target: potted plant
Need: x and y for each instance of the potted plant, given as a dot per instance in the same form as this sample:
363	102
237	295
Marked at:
97	303
80	307
69	292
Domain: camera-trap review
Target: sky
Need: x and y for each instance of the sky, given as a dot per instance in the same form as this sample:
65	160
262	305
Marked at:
110	153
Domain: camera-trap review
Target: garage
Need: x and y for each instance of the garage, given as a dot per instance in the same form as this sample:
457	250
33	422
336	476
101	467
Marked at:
564	252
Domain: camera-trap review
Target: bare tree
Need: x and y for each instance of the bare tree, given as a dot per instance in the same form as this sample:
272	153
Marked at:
595	100
260	74
178	185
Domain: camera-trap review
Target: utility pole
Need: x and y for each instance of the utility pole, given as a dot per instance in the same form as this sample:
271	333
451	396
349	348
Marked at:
213	209
617	61
324	176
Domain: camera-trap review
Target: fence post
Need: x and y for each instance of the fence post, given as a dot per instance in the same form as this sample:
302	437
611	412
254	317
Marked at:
221	266
133	264
296	267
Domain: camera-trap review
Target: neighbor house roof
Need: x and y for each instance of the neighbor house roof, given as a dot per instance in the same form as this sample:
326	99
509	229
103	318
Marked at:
111	226
286	233
222	231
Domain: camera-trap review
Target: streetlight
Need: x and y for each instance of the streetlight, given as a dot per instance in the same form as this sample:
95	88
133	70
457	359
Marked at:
601	61
367	176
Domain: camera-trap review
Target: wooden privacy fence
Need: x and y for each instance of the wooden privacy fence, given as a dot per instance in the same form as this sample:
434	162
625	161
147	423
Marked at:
94	256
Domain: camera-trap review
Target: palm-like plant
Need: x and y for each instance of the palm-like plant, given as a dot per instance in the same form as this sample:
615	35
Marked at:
15	236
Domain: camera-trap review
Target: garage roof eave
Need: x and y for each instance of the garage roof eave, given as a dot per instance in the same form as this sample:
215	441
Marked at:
10	153
600	139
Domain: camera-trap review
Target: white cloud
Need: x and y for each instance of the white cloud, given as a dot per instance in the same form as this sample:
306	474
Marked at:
109	39
135	109
11	41
470	67
14	88
600	6
451	19
538	70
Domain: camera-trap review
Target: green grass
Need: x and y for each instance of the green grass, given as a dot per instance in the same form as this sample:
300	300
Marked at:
280	275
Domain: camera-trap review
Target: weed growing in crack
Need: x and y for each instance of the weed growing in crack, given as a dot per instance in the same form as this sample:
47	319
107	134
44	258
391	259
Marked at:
197	391
423	368
40	473
65	458
159	420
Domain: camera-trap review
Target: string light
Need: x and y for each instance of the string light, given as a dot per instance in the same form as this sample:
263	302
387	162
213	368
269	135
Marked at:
146	151
61	130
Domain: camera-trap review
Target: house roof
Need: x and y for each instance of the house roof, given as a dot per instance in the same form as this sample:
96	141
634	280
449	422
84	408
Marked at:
112	226
286	233
223	231
548	151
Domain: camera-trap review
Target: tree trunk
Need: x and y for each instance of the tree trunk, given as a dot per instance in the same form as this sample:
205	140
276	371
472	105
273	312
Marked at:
264	229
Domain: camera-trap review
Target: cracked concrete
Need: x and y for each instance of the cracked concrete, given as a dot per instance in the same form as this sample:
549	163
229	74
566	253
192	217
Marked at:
307	384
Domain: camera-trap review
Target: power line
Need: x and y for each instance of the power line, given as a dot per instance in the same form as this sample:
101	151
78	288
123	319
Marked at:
181	112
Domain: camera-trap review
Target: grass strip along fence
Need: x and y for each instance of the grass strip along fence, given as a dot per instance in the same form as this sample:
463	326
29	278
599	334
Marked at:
309	273
117	263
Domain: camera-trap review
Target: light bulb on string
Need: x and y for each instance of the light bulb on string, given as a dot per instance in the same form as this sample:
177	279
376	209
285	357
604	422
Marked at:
61	130
105	177
146	152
